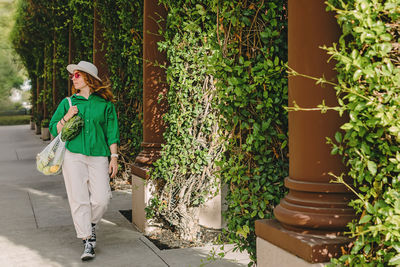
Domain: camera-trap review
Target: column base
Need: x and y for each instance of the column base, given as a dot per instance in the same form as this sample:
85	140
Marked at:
149	154
141	170
310	248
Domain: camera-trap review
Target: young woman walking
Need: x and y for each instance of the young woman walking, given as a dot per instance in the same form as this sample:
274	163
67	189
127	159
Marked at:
86	167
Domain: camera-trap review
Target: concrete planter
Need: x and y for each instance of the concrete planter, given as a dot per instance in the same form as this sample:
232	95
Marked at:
45	133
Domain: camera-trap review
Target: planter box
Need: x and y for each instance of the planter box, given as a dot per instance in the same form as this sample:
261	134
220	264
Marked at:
45	133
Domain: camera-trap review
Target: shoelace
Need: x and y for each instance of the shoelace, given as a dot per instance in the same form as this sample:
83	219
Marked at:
93	232
88	246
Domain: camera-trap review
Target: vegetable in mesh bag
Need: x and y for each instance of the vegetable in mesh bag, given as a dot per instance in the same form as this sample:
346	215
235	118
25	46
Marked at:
50	160
71	128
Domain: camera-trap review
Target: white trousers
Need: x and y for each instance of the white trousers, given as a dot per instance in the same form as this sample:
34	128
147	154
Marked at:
88	188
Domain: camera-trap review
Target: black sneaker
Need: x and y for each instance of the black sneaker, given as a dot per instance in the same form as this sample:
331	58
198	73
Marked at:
92	239
88	251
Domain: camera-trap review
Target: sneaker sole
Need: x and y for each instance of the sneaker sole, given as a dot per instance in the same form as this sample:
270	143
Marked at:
87	257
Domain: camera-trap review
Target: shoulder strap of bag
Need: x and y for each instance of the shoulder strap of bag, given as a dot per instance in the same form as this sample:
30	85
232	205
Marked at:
69	101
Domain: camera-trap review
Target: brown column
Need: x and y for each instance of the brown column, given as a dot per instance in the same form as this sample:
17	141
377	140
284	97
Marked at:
313	204
154	83
99	50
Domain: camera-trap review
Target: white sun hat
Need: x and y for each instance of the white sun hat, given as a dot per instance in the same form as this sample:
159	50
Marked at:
84	66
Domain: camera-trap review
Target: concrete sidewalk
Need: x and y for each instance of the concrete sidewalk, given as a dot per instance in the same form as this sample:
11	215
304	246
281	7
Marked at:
36	226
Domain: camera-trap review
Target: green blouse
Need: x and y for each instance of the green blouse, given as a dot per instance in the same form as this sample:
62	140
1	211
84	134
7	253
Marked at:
100	129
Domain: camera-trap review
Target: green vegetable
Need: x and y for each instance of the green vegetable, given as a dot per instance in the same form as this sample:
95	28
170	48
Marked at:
72	128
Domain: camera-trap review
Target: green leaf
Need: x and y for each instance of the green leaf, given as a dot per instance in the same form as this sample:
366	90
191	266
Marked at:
365	219
395	260
370	208
284	143
346	126
372	167
357	74
338	137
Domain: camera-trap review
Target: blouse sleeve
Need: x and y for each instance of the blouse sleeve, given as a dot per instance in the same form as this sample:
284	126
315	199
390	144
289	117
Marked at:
60	112
112	125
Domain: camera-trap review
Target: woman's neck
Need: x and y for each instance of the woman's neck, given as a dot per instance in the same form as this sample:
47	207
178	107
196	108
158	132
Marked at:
85	92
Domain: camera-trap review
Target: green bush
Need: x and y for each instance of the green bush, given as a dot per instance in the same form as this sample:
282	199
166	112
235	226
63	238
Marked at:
368	86
15	120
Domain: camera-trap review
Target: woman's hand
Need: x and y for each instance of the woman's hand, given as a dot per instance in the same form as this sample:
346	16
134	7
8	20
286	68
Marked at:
113	167
73	110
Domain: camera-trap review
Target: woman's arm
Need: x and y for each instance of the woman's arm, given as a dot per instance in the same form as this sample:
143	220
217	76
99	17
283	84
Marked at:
71	112
60	125
62	114
112	138
113	167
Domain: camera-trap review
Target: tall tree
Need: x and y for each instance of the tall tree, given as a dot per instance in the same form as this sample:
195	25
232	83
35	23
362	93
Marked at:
10	71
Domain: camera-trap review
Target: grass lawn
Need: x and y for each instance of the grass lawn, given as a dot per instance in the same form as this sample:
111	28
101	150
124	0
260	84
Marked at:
15	119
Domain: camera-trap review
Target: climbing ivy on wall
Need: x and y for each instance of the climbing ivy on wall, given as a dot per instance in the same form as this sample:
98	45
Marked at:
124	58
252	90
82	29
185	173
242	47
123	26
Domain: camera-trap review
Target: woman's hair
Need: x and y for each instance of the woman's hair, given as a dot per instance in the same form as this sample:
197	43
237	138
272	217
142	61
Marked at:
103	89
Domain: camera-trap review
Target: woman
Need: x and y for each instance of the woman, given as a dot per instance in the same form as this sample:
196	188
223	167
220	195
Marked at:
86	168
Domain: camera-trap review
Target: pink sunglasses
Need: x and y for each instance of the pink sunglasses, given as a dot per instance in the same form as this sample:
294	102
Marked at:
76	75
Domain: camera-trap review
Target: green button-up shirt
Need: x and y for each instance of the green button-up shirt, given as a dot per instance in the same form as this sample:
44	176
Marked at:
100	129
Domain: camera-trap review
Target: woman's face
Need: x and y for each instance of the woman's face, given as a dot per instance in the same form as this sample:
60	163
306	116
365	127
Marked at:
78	80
